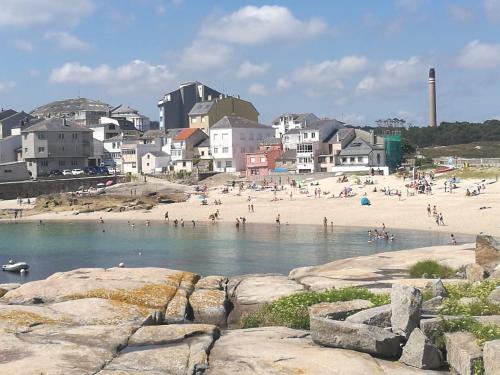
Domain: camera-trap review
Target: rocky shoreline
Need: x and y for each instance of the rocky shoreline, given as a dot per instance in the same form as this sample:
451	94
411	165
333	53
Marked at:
160	321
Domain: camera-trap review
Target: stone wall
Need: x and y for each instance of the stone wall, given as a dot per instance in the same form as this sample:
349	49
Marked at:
12	190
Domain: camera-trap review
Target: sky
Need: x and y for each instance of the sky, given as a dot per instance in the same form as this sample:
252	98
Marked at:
356	61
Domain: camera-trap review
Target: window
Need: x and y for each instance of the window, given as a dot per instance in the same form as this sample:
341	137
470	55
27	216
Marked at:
225	150
40	135
216	150
252	160
74	136
306	135
229	164
183	163
262	159
147	164
148	157
352	160
61	135
62	163
194	120
215	136
286	139
360	159
74	163
41	149
313	135
304	147
25	150
202	153
44	163
30	164
219	164
344	160
225	136
134	165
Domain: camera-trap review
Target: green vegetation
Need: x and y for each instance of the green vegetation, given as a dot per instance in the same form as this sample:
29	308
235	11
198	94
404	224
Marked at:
473	173
480	291
469	150
483	332
430	268
291	311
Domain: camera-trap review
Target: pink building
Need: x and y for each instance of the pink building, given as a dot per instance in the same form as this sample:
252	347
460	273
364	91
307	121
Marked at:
261	162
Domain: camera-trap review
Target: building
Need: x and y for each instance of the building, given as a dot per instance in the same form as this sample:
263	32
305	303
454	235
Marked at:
290	121
56	143
9	148
202	150
124	112
175	106
205	114
261	162
287	162
184	142
82	111
155	162
231	138
11	122
14	171
132	151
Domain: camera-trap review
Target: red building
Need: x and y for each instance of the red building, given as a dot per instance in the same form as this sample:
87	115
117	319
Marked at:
261	162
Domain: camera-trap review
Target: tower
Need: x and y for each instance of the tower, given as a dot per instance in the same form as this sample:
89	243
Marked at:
432	98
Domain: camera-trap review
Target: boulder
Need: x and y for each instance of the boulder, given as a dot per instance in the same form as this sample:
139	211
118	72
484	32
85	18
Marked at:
212	282
376	316
491	357
474	272
360	337
494	296
432	306
462	352
209	306
338	310
420	352
468	300
431	327
168	334
487	252
249	292
495	274
437	288
406	302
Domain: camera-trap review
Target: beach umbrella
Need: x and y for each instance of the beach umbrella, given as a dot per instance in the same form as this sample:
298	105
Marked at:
365	201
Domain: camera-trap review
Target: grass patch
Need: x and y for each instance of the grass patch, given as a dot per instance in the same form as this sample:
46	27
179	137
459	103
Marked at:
291	311
481	291
430	268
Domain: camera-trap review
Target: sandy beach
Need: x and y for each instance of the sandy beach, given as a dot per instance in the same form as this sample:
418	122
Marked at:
461	214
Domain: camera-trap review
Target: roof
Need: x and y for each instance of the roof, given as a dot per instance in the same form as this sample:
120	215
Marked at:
56	124
201	108
296	116
17	119
339	135
324	122
121	109
154	134
367	136
271	141
185	134
228	122
6	113
71	106
359	147
158	154
288	155
204	143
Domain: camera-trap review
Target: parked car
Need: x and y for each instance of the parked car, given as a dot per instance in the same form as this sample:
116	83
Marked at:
113	170
55	172
77	171
90	170
66	172
102	170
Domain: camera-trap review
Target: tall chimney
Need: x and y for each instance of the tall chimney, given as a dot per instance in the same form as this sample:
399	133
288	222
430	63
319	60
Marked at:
432	98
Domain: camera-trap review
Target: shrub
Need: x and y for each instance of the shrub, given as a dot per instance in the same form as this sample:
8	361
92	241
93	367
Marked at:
291	311
430	268
480	291
482	332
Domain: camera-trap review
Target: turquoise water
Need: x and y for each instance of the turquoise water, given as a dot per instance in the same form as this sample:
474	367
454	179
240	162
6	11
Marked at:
206	249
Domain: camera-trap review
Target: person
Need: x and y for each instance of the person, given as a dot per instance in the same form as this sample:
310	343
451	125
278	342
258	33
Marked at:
249	208
244	220
437	220
15	214
441	219
445	185
392	237
325	221
252	207
370	234
453	240
101	220
291	195
182	222
194	224
278	219
176	222
237	223
383	227
148	223
166	216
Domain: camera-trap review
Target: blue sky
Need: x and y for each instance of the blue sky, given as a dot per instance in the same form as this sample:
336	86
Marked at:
356	61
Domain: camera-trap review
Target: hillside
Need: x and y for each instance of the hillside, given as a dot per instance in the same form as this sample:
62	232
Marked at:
469	150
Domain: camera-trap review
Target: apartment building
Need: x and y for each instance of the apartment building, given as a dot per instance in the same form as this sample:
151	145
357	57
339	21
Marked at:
289	121
261	162
124	112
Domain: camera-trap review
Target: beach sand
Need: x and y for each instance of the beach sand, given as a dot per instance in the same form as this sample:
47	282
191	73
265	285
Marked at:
461	214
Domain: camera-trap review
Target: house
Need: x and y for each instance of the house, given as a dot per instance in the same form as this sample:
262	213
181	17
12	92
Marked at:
81	111
155	162
338	141
287	162
13	171
112	151
205	114
202	150
124	112
56	143
231	138
289	121
12	121
183	143
174	107
132	150
311	143
183	166
9	147
261	162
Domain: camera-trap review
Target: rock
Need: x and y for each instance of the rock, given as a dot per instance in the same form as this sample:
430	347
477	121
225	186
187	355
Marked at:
338	310
2	292
494	296
406	302
212	282
171	349
420	352
376	316
462	352
10	286
491	357
209	306
432	306
249	292
437	288
359	337
280	350
487	252
495	274
468	300
431	327
474	272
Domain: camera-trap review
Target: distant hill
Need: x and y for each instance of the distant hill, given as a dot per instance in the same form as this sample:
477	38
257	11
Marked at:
469	150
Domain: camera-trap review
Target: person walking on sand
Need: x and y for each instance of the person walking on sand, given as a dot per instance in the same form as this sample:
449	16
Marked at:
251	206
441	219
166	216
325	222
278	219
437	220
429	210
453	240
194	223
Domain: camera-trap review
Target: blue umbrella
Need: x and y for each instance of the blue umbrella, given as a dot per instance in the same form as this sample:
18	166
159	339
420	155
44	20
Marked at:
365	201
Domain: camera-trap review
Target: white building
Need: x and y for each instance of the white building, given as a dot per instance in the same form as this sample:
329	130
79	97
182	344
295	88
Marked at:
155	162
290	121
231	138
124	112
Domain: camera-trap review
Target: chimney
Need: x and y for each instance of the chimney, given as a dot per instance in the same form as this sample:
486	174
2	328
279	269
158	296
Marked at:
432	98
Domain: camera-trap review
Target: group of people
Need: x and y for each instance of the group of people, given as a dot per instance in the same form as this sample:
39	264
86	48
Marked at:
380	235
438	217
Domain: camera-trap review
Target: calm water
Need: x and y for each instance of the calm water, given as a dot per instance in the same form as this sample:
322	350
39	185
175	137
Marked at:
206	249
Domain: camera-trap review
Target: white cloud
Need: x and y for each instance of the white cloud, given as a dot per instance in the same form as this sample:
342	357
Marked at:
354	119
394	75
248	69
24	45
492	9
132	77
460	14
6	86
330	72
282	84
478	55
66	41
257	89
26	13
201	55
254	25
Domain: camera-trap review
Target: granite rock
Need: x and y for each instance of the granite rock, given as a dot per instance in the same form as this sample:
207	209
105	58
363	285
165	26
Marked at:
420	352
462	352
379	316
487	252
406	302
338	310
491	357
474	272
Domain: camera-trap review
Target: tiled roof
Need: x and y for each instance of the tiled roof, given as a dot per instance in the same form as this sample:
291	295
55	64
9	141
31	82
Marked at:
121	109
56	124
288	155
71	106
228	122
185	134
158	154
7	113
201	108
359	147
204	143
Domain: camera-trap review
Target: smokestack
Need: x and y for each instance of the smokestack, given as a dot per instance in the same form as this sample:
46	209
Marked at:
432	98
